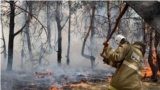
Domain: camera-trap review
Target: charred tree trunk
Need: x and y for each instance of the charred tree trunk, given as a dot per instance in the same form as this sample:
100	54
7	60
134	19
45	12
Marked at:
156	43
85	39
120	11
109	19
69	28
150	57
11	37
145	34
59	33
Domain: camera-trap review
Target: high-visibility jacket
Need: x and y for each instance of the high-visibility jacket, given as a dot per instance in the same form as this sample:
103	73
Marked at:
128	61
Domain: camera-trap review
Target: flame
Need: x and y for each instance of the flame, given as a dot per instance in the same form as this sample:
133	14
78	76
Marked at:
148	72
82	82
32	84
73	85
35	75
155	56
109	79
67	85
54	88
49	73
42	74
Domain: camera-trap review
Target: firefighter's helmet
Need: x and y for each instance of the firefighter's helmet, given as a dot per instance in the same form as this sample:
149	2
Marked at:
118	39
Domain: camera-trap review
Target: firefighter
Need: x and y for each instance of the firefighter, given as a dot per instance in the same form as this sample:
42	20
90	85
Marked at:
128	61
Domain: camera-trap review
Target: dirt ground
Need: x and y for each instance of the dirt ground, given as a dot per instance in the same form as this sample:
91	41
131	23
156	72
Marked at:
147	85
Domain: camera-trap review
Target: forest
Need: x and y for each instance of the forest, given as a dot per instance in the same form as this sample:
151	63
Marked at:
56	45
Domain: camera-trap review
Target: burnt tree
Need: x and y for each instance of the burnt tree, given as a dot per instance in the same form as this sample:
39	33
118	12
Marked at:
157	43
69	30
145	34
150	57
11	36
59	33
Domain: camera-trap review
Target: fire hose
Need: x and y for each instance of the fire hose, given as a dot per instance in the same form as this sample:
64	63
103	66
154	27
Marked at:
114	29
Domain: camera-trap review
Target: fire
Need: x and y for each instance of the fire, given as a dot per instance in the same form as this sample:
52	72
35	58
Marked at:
49	73
82	82
54	88
41	75
109	79
35	75
148	72
32	84
67	85
155	56
73	85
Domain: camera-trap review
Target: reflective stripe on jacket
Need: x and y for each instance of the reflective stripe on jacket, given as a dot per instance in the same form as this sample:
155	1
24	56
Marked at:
128	61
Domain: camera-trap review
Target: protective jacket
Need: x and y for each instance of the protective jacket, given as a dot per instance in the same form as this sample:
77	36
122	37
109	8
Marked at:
128	61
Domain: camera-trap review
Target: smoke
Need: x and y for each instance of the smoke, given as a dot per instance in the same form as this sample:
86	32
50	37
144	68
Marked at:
78	27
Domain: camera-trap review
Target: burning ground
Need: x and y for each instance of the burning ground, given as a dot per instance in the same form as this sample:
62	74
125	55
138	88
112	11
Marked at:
63	78
55	79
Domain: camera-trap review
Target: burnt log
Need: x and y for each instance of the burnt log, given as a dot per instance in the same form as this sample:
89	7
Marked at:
149	11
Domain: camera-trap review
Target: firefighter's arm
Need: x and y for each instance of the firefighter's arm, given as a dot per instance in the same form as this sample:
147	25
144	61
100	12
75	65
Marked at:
108	51
119	54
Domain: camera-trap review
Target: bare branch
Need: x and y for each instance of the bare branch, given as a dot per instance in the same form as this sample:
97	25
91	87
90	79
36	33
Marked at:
28	20
65	23
29	14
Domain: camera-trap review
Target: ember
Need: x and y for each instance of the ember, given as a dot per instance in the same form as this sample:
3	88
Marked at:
41	75
49	73
72	85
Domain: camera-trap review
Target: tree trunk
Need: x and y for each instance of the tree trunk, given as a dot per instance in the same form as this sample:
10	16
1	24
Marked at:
27	32
145	34
41	54
22	55
11	36
85	39
92	58
120	11
150	57
109	19
157	42
59	33
49	24
69	27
